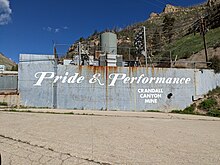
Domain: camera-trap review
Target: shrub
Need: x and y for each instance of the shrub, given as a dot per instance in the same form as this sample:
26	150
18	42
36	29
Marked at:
176	111
215	64
214	113
208	103
3	103
188	110
216	45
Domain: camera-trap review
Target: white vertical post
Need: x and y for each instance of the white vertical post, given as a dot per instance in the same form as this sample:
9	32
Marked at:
171	61
79	49
145	44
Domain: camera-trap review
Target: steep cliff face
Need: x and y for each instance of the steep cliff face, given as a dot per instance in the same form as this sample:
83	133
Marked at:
172	9
213	2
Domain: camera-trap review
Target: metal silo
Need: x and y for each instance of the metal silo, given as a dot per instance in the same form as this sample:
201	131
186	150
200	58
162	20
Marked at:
109	43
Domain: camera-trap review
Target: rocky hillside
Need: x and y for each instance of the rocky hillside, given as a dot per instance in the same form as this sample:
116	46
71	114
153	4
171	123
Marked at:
164	30
10	65
209	105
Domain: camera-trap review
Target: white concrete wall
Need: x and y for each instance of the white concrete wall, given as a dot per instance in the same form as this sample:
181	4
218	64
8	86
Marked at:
119	97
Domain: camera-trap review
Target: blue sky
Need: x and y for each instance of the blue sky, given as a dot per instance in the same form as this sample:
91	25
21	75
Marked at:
31	26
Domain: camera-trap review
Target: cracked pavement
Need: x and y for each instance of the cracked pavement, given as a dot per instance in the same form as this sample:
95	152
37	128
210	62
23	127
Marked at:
61	139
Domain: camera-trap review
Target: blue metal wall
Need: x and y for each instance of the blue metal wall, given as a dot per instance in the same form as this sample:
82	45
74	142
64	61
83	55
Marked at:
8	82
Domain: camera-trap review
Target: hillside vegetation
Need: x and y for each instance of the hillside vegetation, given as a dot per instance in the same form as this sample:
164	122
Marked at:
209	106
176	30
179	31
10	65
193	43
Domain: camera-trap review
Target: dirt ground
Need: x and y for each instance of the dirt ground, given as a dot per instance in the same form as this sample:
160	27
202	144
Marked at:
108	138
199	57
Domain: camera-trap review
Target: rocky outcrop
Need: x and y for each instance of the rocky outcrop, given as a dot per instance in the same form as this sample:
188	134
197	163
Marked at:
7	62
154	15
213	2
171	9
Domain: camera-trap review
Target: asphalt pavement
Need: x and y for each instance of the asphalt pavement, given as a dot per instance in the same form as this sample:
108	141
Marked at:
50	137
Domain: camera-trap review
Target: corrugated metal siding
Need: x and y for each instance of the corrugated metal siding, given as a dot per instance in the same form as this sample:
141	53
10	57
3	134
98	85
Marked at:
122	96
8	82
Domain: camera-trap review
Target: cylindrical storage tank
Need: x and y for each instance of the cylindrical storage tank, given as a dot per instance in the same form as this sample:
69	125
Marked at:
109	43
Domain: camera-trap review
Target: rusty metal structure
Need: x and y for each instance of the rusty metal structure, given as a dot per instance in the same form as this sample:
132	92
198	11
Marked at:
9	88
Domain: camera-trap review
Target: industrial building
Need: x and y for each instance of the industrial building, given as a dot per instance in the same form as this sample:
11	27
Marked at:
104	55
43	83
104	81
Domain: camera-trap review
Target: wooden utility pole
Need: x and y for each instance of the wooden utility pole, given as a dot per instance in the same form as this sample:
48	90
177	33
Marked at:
203	31
55	71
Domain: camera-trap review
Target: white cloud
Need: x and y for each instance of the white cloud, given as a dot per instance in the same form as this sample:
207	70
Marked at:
55	30
49	29
65	28
5	12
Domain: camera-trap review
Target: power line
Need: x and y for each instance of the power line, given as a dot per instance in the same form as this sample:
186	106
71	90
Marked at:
171	3
168	40
175	30
161	2
154	4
